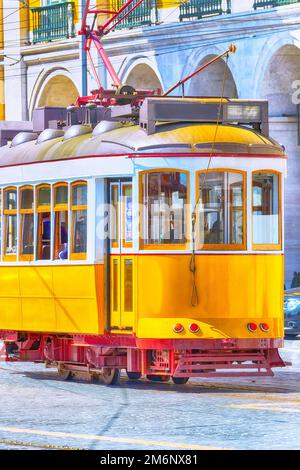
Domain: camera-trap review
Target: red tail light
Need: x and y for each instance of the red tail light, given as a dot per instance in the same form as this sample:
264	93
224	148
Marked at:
252	327
194	328
264	327
178	328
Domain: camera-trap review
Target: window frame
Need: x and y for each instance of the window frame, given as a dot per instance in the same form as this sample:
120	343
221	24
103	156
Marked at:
114	221
83	207
6	213
268	246
22	212
165	246
125	244
56	209
222	246
40	209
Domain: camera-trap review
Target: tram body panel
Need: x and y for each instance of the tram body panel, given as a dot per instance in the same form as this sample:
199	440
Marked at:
233	289
57	299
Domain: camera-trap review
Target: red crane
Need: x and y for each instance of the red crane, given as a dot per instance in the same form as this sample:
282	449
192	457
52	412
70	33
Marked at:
120	94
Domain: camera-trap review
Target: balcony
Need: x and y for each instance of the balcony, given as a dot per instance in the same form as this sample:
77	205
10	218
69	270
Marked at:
197	9
144	15
272	3
53	22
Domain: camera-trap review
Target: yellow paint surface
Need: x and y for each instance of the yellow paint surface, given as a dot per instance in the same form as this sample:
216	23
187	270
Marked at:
2	95
117	440
264	407
1	24
65	299
232	289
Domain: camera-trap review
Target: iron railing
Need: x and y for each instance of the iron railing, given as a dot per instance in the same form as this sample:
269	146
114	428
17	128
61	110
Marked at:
144	15
196	9
53	22
272	3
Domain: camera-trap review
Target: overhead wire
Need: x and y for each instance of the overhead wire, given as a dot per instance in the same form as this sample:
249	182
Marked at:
172	3
233	20
193	263
170	50
247	33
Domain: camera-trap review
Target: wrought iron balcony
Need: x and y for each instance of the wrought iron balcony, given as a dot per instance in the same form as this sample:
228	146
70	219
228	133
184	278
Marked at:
197	9
53	22
144	15
272	3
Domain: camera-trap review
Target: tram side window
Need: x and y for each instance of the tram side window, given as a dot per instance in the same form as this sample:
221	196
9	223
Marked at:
43	208
61	221
26	223
221	210
164	198
10	223
79	219
266	209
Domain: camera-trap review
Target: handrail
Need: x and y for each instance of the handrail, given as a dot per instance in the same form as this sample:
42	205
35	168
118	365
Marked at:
53	22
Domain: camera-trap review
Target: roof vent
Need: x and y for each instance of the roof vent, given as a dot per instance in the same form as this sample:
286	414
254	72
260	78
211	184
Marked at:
77	130
23	137
106	126
49	134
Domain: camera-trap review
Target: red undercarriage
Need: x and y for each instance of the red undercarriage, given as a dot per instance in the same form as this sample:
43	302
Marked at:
163	357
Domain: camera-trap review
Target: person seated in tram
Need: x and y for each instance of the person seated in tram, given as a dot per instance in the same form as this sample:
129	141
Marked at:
63	254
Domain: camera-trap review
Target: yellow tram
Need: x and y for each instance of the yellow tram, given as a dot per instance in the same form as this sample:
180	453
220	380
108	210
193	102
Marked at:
154	247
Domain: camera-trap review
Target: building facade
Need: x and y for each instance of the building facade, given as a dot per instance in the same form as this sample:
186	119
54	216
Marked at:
41	63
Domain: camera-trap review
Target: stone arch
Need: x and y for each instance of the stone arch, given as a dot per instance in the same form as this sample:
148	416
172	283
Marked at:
59	90
142	75
53	87
281	72
209	82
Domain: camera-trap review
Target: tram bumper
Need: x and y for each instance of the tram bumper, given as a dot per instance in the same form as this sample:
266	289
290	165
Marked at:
210	358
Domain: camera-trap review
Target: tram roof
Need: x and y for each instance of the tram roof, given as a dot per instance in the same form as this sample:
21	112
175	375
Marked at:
179	138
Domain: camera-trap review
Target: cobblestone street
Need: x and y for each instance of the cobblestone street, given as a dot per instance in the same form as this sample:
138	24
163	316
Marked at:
38	410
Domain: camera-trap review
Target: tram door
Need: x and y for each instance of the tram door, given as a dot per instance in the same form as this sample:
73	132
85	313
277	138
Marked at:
121	263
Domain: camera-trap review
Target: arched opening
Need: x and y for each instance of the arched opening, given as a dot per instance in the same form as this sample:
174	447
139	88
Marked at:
281	73
58	91
209	82
143	77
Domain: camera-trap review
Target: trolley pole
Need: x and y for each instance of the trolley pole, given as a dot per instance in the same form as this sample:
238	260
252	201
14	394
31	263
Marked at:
83	58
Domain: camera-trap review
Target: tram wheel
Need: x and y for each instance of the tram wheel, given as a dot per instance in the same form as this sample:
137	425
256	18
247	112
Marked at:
64	374
180	380
111	376
158	378
93	377
133	375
